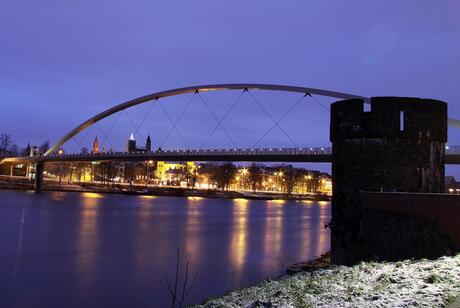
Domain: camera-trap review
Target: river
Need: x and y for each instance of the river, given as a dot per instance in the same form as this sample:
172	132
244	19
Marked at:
60	249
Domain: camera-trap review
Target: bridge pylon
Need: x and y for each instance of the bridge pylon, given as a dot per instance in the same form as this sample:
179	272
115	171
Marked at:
38	184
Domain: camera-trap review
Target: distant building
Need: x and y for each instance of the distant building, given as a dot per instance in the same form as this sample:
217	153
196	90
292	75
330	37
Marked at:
95	149
173	172
34	151
148	144
132	147
27	150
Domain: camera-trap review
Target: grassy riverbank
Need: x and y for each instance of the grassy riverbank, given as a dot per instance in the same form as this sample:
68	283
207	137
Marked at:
424	283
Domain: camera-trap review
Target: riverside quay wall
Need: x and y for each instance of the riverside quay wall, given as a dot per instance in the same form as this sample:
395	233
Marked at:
390	144
410	225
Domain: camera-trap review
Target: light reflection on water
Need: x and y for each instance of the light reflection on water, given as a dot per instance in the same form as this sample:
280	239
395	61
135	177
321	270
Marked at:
95	250
193	223
238	242
88	237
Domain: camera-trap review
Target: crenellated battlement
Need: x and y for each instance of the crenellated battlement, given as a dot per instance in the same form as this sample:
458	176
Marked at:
389	117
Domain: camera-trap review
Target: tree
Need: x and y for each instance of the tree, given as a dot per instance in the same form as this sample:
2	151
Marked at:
44	147
26	151
255	178
14	150
190	175
5	143
84	151
224	174
291	179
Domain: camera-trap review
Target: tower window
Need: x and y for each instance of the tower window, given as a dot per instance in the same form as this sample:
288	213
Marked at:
401	120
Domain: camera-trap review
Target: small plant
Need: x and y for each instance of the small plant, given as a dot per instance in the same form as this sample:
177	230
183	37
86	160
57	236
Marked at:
176	295
432	278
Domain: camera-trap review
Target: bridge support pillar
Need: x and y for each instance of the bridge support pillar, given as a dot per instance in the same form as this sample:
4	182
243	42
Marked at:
39	167
11	169
396	146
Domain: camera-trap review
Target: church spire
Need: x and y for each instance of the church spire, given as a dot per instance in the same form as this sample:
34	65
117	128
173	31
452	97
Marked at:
95	149
148	144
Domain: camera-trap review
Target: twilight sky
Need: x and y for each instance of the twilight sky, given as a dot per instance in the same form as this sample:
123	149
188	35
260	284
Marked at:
63	61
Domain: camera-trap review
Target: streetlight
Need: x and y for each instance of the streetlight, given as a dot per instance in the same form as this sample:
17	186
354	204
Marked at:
147	178
243	171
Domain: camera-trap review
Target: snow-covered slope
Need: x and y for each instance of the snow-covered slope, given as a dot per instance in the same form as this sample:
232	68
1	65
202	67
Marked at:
423	283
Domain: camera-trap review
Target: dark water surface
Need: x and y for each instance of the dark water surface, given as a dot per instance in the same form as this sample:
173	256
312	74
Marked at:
90	250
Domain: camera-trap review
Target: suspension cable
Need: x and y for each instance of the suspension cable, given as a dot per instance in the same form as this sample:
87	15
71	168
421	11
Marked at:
78	143
172	122
319	103
84	136
282	118
105	135
134	125
271	117
223	118
110	129
145	116
178	119
215	117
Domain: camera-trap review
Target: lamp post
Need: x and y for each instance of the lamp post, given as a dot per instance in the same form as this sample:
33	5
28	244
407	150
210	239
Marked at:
244	172
147	174
280	179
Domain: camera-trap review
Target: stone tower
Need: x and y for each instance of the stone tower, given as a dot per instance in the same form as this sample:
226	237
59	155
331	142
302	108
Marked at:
131	144
148	144
395	145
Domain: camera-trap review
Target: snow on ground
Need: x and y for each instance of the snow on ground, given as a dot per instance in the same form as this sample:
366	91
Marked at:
423	283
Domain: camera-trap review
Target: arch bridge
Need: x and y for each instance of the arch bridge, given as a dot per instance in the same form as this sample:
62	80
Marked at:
297	154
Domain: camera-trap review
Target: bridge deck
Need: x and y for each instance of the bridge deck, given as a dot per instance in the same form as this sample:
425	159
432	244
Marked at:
313	155
237	155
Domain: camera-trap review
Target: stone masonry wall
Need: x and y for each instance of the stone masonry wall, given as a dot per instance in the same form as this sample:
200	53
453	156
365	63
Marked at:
398	145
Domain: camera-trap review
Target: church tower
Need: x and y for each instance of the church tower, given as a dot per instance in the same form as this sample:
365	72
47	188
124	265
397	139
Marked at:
95	149
131	144
28	150
148	144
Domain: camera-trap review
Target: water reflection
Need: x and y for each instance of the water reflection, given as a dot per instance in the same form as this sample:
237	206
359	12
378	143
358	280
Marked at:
241	201
322	234
238	241
142	249
147	197
193	227
195	198
57	195
112	250
273	234
88	237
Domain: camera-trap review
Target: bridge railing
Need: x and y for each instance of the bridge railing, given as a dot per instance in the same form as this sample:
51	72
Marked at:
452	150
248	152
213	152
310	151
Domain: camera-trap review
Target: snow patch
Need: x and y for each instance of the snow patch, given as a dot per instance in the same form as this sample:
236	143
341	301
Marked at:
423	283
